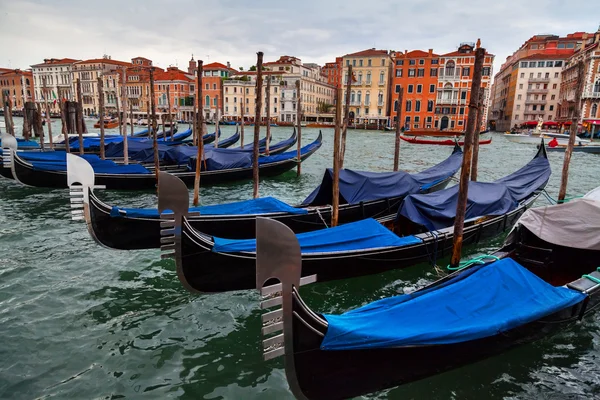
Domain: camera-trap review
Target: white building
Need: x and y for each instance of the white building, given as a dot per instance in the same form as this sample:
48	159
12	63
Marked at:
59	80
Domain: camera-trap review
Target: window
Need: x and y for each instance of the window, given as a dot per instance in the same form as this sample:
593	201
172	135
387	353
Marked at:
382	77
522	74
398	62
410	88
466	71
360	63
435	62
431	88
412	62
354	63
417	107
531	75
553	97
517	117
399	73
554	86
421	62
593	111
367	100
433	72
429	119
542	107
421	72
558	63
541	64
531	64
429	107
519	97
551	108
549	64
408	105
419	88
369	64
215	101
597	86
547	76
450	68
411	72
520	86
534	108
523	64
347	63
368	77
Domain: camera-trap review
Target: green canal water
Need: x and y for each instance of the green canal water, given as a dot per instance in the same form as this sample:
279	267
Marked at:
78	321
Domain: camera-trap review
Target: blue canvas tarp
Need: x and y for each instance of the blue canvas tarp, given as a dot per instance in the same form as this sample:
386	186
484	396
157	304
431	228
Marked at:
361	235
53	156
263	205
479	303
100	167
437	210
357	186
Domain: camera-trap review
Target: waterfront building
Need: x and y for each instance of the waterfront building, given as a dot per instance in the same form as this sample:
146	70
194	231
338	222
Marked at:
504	97
17	85
212	79
370	96
417	72
88	72
589	53
138	84
59	80
455	80
239	93
333	72
181	86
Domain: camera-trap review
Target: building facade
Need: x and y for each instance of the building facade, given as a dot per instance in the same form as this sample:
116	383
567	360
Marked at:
504	97
138	84
17	85
240	96
370	96
333	72
455	80
181	89
589	54
57	74
417	73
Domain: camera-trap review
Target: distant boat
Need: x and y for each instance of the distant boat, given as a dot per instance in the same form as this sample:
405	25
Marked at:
108	123
446	142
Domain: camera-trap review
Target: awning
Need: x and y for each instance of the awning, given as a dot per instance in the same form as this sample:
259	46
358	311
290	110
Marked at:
593	121
551	123
530	123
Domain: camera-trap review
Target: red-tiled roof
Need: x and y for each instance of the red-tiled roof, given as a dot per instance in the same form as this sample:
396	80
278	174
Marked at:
105	61
3	70
368	52
141	58
56	61
172	74
546	57
215	65
460	54
416	54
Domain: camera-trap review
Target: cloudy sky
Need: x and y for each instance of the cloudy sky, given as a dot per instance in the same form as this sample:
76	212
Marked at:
169	31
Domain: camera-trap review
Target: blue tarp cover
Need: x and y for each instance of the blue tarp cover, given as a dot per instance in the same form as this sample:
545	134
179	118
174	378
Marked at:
357	186
262	205
360	235
437	210
25	144
100	167
482	302
53	156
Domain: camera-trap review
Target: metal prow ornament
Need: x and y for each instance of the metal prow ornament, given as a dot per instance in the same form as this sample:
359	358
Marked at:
278	257
80	180
9	146
173	206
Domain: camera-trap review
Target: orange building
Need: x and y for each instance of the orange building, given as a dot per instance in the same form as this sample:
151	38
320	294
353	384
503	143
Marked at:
138	83
212	79
18	86
455	79
181	90
417	72
333	72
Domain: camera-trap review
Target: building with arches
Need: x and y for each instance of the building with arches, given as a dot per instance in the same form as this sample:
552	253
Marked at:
57	73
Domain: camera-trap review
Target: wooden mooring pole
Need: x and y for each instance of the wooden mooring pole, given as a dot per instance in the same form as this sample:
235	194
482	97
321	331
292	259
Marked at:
200	122
465	171
101	114
299	119
398	128
475	160
79	117
268	107
259	95
346	116
152	123
124	119
217	122
336	158
47	108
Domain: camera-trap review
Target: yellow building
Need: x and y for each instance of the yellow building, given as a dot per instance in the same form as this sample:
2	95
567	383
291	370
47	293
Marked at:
239	93
370	96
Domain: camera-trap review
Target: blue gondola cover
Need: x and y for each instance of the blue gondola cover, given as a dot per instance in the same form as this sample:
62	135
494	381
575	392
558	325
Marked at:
487	300
357	186
360	235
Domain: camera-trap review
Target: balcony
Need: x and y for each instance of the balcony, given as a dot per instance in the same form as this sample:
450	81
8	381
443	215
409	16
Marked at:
133	96
538	80
535	102
452	101
588	94
64	84
541	91
444	77
355	103
380	103
381	83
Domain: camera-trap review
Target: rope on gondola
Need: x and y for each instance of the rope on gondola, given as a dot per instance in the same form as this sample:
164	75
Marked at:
473	261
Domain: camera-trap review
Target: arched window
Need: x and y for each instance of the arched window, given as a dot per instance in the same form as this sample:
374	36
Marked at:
408	105
360	77
382	77
207	100
368	77
367	98
430	106
418	106
450	68
594	111
27	81
358	96
597	86
352	96
380	98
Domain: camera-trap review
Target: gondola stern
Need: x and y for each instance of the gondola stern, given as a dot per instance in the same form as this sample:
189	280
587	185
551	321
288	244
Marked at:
278	256
542	150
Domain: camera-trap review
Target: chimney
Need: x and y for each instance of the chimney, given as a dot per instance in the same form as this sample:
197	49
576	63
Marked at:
478	45
228	65
430	52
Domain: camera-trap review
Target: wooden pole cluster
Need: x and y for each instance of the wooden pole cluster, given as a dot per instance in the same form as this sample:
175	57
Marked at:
465	171
101	114
259	95
299	119
124	119
47	108
79	117
346	116
475	160
398	128
217	122
564	180
268	106
153	122
8	122
200	117
336	158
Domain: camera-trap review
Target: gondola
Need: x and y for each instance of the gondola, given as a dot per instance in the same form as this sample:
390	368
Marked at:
276	148
137	177
129	229
446	142
422	231
23	144
542	280
230	141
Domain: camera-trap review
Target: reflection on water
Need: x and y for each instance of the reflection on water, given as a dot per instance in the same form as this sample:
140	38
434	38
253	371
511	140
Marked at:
81	321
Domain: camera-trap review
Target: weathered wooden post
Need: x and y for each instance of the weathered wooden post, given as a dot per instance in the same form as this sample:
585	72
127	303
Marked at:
47	108
37	124
242	124
131	118
217	122
299	119
7	111
398	128
336	158
79	116
148	118
124	119
475	159
62	106
117	97
465	171
101	112
259	95
573	134
268	105
153	122
170	119
199	155
346	116
194	123
26	123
